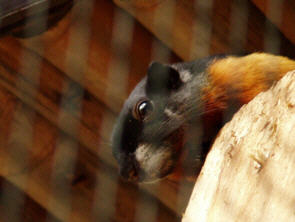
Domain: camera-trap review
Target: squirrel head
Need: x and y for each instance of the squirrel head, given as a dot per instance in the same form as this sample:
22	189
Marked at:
147	136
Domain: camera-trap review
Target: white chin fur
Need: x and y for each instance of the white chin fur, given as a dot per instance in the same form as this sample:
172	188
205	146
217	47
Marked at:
152	160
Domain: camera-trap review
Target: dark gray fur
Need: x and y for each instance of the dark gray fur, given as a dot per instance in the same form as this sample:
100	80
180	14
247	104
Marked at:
183	103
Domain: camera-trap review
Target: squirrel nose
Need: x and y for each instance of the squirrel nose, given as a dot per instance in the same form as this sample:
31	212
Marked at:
129	172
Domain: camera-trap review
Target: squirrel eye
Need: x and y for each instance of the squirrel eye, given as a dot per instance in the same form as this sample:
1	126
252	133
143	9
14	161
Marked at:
143	109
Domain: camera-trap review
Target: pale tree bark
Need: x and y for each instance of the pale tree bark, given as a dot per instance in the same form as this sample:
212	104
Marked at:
249	172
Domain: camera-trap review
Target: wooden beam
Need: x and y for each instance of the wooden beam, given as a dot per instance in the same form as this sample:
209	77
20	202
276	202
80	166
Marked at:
25	19
30	211
282	15
28	18
45	56
35	177
194	30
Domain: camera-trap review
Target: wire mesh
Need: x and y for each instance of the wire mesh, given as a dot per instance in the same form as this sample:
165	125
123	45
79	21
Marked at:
91	56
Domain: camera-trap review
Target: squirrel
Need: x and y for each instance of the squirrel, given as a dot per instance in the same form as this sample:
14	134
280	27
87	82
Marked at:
182	102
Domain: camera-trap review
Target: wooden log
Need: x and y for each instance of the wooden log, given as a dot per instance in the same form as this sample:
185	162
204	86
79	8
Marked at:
248	174
194	30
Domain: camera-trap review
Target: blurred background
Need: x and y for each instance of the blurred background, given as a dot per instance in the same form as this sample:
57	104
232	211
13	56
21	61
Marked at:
66	68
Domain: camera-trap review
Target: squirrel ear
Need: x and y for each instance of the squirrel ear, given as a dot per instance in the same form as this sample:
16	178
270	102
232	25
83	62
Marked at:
162	78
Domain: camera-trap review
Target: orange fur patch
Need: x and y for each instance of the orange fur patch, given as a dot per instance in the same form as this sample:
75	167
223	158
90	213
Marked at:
242	78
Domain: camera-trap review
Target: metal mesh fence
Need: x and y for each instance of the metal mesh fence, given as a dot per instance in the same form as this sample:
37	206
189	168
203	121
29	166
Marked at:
61	91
